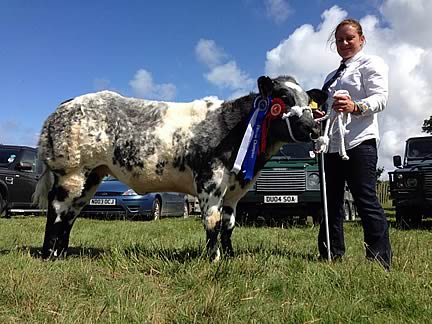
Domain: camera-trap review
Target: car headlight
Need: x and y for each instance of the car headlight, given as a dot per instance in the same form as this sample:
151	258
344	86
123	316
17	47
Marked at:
399	181
129	192
313	181
411	182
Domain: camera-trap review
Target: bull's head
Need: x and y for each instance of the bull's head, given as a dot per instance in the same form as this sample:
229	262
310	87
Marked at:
298	124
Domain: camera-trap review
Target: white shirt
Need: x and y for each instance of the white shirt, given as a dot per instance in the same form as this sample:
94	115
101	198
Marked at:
366	80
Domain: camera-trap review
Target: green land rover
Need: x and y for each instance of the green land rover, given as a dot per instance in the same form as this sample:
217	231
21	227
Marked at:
411	182
288	187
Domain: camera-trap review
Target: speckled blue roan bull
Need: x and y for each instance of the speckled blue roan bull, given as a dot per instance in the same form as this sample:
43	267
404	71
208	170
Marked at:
159	146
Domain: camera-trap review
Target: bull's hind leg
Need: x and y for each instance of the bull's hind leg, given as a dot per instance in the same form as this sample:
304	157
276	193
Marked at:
70	193
228	222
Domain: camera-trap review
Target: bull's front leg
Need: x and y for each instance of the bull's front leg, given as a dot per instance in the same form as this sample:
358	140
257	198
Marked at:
211	193
228	222
212	224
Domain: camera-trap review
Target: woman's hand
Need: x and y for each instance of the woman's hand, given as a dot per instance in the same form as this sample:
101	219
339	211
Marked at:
317	113
343	103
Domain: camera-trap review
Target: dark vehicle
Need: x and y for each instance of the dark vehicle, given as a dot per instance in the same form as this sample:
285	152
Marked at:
289	185
411	182
19	172
115	199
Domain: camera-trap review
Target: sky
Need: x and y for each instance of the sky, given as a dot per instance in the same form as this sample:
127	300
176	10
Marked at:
53	50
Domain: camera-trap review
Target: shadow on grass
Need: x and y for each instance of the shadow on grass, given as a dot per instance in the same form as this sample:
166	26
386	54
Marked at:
425	224
180	255
281	222
87	252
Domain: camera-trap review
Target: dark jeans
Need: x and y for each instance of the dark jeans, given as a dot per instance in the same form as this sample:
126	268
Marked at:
360	174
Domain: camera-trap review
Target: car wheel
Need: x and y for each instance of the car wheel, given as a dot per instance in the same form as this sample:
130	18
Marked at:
402	219
318	216
156	209
186	209
3	204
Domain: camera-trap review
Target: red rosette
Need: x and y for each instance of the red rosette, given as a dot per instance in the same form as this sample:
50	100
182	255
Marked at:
278	107
276	110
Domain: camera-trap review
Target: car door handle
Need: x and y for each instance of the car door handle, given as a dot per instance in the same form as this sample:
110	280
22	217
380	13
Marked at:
9	180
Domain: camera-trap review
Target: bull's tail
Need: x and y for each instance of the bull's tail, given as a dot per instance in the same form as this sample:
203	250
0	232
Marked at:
45	152
43	187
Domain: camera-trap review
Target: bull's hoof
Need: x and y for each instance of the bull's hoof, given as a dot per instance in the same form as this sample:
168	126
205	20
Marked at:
53	253
228	254
214	255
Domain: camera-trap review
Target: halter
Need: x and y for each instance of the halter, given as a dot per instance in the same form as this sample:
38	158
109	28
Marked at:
293	111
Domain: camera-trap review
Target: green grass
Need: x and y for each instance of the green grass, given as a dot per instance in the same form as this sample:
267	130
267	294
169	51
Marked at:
157	272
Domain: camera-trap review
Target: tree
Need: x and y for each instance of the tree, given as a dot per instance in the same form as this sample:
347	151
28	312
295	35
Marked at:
427	125
379	172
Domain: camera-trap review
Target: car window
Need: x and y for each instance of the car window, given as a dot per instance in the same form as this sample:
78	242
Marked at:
30	157
419	148
109	178
8	156
295	151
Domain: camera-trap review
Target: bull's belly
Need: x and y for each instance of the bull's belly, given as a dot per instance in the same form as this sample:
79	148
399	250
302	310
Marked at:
170	180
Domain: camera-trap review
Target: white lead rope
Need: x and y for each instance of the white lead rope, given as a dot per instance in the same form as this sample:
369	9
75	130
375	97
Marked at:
294	111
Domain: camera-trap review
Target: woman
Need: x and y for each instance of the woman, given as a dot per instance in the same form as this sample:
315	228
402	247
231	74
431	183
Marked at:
365	77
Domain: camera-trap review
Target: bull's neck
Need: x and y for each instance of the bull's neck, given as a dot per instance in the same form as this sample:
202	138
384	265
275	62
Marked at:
237	111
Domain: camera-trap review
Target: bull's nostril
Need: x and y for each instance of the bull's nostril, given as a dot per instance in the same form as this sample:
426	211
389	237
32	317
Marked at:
313	136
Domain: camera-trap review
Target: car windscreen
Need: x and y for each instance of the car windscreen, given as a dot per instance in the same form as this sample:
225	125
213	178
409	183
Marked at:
109	178
420	148
7	156
294	151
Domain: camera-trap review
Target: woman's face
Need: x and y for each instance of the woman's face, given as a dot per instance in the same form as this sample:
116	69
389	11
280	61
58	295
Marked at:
348	41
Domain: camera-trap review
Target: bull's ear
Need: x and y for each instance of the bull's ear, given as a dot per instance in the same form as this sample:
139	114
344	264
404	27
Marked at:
265	86
318	96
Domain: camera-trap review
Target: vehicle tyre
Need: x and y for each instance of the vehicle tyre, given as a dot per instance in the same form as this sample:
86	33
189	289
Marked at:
416	219
3	204
156	209
186	209
402	217
318	216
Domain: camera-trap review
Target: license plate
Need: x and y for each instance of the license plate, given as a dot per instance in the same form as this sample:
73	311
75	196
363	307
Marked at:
102	201
293	199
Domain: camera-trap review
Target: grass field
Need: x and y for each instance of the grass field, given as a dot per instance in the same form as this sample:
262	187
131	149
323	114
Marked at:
157	272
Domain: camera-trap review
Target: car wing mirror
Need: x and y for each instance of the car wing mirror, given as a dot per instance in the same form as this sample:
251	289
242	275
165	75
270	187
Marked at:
397	161
24	166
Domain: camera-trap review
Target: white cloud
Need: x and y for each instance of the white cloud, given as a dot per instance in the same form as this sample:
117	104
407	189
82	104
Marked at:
278	10
305	54
224	75
405	45
410	20
229	76
209	53
144	86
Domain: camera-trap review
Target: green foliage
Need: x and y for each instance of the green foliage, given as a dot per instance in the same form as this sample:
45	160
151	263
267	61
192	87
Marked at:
379	172
157	272
427	125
